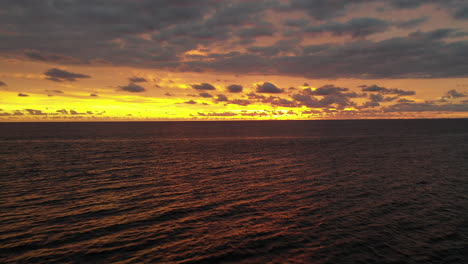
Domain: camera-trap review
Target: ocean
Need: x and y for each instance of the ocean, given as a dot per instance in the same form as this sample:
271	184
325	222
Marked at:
360	191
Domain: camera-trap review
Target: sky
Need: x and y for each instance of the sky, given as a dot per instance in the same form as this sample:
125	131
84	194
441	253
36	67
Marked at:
124	60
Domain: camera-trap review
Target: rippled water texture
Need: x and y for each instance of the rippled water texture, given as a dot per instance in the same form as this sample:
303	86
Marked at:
235	192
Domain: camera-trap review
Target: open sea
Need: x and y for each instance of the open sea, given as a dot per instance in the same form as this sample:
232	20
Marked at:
362	191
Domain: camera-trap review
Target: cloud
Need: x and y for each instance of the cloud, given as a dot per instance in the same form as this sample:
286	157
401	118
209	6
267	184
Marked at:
235	88
190	102
3	83
249	34
278	101
297	23
423	107
325	90
356	27
253	95
203	86
218	114
462	13
320	9
285	45
133	88
205	95
407	24
267	87
35	112
49	57
240	102
439	34
222	98
307	100
58	75
370	104
93	95
376	88
378	98
23	95
404	100
331	97
137	79
454	94
157	34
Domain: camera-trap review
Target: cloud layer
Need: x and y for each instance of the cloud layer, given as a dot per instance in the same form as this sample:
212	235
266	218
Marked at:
160	34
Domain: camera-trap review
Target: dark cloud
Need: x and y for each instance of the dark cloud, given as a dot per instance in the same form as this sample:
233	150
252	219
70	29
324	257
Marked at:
462	13
354	95
35	112
298	23
218	114
378	98
158	33
407	4
133	88
284	45
370	104
407	24
240	102
321	9
93	95
256	113
376	88
3	83
74	112
330	98
168	94
251	33
61	27
222	98
23	95
417	58
253	95
336	101
311	49
235	88
137	79
58	75
278	101
454	94
439	34
307	100
205	95
267	87
404	100
356	27
423	107
203	86
190	102
325	90
49	57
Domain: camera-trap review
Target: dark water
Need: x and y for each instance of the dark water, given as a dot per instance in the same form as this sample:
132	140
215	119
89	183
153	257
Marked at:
235	192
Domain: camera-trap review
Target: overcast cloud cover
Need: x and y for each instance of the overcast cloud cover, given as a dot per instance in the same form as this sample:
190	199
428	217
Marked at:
157	33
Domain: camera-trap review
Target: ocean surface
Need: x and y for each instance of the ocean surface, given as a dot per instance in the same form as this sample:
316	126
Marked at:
369	191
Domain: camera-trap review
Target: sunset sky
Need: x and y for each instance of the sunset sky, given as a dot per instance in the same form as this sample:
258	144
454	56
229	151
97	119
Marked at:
102	60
